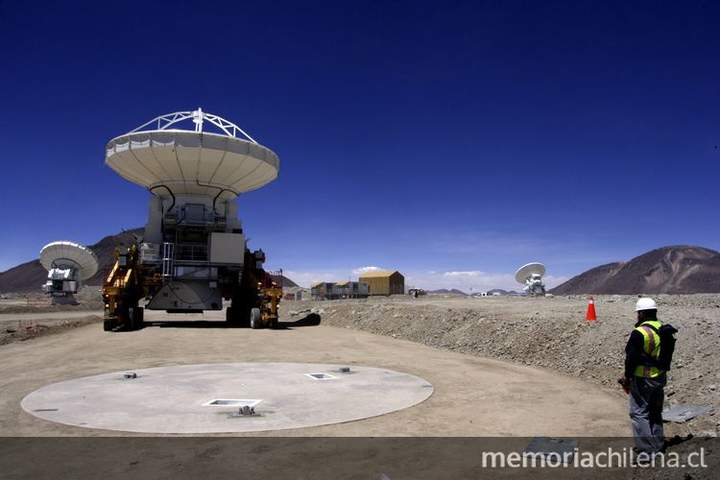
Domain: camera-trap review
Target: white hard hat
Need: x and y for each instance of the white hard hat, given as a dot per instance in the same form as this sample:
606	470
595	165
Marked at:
645	303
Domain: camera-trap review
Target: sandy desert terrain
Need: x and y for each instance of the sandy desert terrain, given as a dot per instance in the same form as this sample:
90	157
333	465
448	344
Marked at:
503	366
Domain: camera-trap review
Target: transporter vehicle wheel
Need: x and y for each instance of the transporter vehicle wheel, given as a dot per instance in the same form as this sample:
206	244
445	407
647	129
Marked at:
136	317
120	319
237	316
255	318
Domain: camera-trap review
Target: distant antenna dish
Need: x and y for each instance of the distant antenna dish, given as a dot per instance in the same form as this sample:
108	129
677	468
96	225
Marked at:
192	161
531	275
69	255
529	269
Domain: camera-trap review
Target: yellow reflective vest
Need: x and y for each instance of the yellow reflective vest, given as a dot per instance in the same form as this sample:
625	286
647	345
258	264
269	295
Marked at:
651	347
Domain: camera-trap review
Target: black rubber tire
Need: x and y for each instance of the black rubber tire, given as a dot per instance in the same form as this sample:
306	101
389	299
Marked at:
239	317
108	325
130	323
138	318
229	315
255	318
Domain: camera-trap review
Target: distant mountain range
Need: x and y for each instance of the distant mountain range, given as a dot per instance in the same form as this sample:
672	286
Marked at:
284	281
455	291
30	276
500	291
675	269
445	291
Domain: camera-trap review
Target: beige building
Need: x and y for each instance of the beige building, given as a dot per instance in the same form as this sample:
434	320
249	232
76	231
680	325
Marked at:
382	282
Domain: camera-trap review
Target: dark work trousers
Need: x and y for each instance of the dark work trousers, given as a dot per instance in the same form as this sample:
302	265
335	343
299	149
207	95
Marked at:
646	405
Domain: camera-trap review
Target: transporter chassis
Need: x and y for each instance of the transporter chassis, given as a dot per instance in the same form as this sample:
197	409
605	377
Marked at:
192	258
254	295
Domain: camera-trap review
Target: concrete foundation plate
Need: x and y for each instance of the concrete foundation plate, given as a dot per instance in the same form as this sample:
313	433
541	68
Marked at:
178	399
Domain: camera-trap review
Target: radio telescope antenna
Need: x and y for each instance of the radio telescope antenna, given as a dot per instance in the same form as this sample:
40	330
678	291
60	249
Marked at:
530	275
193	254
68	265
192	153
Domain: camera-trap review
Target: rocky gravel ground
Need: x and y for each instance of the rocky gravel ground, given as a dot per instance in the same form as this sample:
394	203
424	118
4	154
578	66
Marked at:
88	298
21	330
550	333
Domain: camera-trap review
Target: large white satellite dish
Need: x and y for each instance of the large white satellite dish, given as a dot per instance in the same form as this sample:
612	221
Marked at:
69	255
527	270
192	161
531	275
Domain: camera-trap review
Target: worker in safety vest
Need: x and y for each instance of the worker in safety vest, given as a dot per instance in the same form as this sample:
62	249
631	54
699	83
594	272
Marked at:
644	381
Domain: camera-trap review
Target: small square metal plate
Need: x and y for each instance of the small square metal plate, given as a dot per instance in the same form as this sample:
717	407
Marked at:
232	402
559	448
320	376
683	413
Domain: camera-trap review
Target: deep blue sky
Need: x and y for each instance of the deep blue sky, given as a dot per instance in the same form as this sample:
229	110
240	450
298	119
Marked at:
441	137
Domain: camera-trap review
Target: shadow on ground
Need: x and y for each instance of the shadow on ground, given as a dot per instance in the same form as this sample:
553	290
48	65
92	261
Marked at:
311	320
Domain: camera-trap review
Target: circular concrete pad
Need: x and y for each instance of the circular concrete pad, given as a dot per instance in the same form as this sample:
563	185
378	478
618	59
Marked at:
176	399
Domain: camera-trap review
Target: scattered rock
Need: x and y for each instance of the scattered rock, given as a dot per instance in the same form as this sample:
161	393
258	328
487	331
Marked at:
550	335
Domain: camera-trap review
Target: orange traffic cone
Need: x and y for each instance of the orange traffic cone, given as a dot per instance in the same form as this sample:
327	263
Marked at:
590	316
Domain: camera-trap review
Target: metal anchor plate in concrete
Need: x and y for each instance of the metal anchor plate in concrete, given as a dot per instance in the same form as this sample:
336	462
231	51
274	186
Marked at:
553	449
684	413
175	399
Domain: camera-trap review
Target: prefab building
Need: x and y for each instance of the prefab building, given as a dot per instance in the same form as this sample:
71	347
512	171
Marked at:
349	289
382	282
303	294
296	293
325	291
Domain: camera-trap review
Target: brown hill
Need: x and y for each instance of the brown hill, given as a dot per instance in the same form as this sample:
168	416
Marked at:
284	281
445	291
675	269
29	276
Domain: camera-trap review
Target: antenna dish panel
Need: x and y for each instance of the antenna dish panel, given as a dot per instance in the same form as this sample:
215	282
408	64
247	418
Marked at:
192	161
524	272
69	254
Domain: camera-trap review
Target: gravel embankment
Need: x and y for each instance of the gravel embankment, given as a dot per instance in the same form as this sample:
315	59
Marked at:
550	333
26	329
89	298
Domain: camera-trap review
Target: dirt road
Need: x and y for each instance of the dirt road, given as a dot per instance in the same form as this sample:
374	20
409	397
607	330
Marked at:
10	318
473	396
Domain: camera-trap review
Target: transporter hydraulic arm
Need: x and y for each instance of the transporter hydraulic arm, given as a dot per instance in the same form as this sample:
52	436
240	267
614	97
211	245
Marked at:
122	292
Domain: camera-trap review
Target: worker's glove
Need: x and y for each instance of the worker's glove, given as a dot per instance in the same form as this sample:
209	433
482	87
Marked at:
625	384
